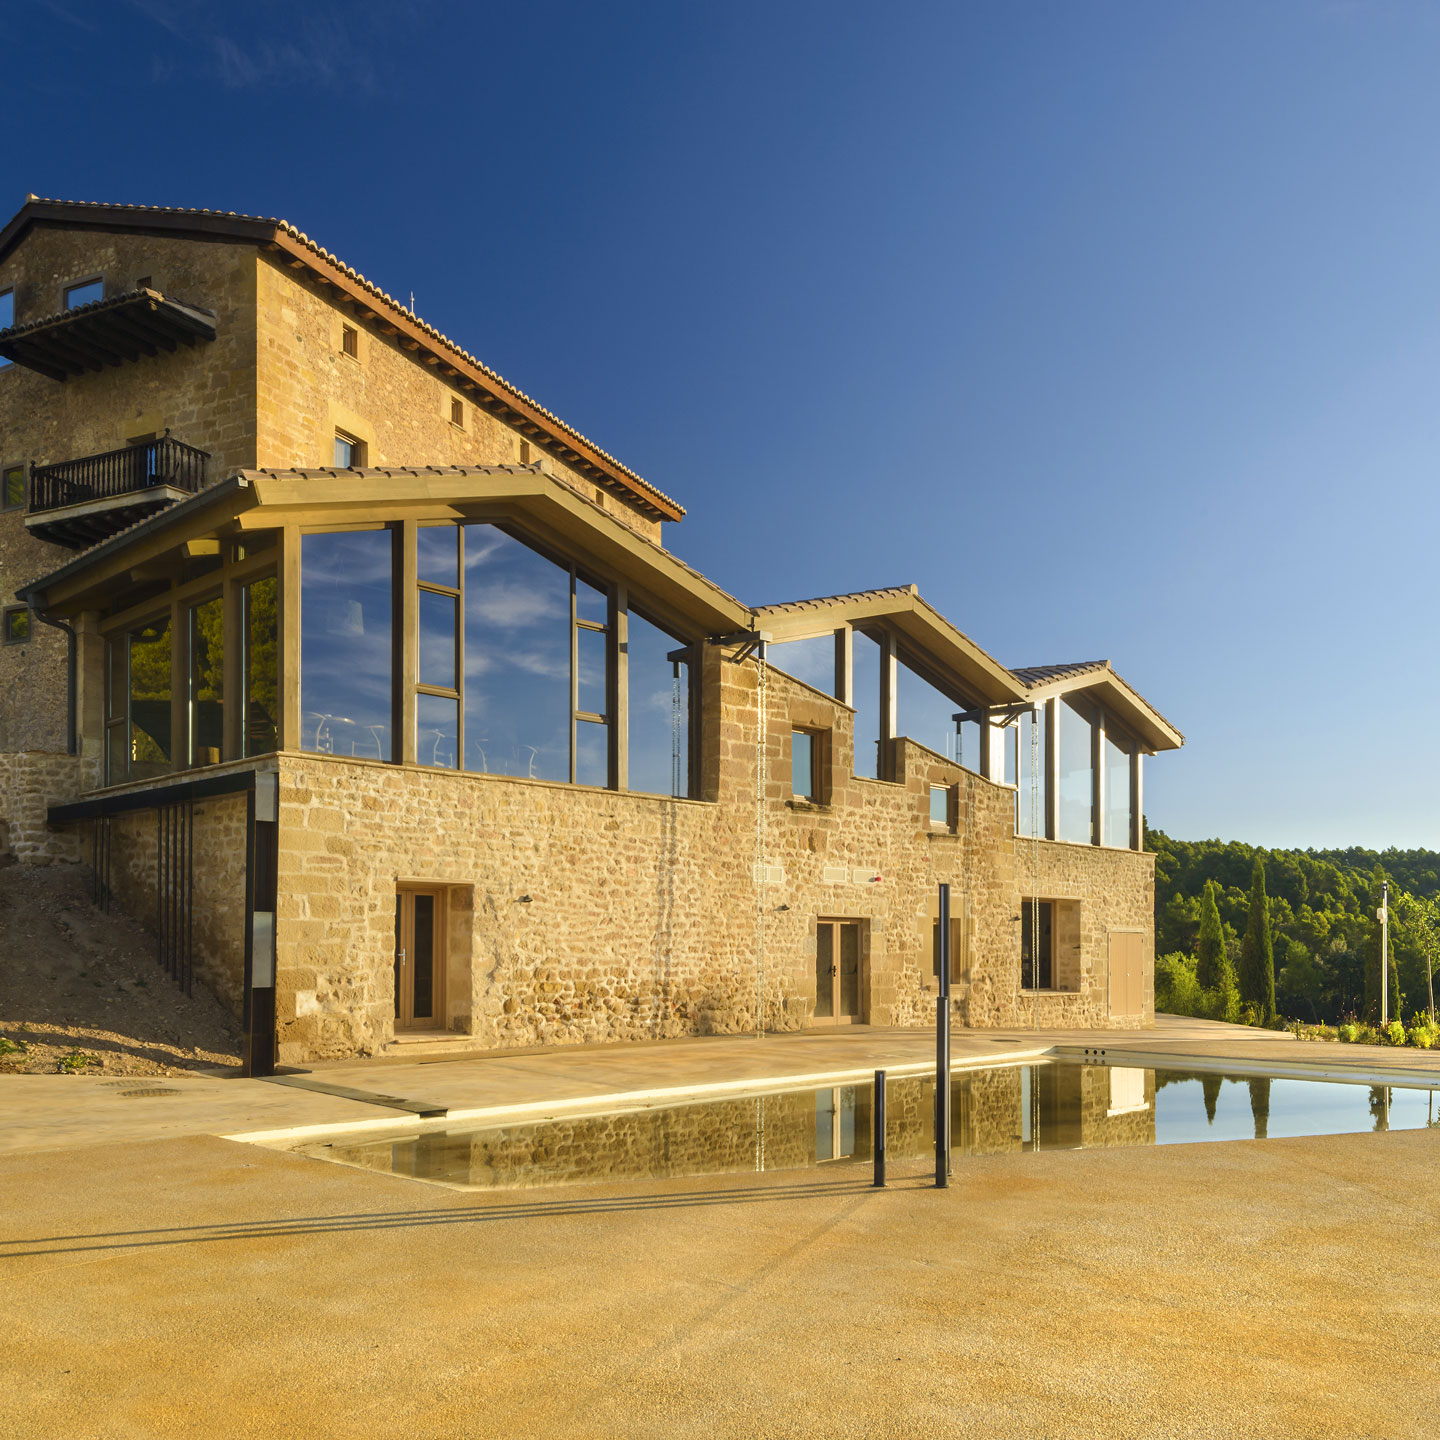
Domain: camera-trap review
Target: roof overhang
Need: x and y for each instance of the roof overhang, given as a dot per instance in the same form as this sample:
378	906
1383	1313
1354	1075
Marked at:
530	498
1099	682
927	639
285	245
105	333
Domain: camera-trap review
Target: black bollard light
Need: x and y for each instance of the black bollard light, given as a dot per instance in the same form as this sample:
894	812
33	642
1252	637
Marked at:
942	1050
879	1142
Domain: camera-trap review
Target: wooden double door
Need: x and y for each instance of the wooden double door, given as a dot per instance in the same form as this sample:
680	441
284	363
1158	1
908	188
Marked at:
837	972
420	926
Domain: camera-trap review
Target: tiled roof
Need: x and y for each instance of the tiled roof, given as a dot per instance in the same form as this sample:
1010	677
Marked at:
108	303
888	592
1033	675
295	233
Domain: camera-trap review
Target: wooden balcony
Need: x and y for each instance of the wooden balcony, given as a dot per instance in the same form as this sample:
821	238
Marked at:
79	502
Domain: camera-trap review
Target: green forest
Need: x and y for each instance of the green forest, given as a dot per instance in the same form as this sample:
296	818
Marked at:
1312	921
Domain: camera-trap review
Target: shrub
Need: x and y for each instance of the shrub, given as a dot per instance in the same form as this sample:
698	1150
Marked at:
1422	1037
1348	1033
1177	992
1394	1033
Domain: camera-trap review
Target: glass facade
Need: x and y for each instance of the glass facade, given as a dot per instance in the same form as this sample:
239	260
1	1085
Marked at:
149	678
346	630
926	714
259	672
1119	801
1031	768
207	682
811	660
659	760
1077	775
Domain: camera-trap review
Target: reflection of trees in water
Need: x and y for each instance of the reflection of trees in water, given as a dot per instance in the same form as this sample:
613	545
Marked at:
1260	1105
1380	1106
1210	1084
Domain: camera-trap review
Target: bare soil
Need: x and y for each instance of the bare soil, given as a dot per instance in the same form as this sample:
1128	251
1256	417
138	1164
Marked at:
82	991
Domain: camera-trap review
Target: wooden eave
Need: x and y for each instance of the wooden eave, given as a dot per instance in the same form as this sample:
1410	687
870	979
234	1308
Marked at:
950	656
1108	690
527	496
105	333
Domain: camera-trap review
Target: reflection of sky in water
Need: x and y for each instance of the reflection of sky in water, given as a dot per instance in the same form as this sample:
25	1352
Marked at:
345	650
1295	1107
517	659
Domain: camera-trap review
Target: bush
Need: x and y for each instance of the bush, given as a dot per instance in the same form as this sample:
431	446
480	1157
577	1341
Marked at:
1394	1033
1348	1033
1177	991
1422	1037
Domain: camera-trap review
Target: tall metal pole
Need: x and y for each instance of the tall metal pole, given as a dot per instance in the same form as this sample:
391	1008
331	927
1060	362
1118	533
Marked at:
879	1141
942	1050
1384	954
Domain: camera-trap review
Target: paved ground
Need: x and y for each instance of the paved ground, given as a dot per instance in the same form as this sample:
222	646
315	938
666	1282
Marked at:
195	1287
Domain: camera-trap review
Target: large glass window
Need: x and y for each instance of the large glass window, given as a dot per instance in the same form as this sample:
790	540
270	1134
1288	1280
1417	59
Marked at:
866	670
517	659
150	683
207	682
1077	774
259	672
927	715
86	293
346	587
437	704
1118	797
1037	959
1032	791
811	660
592	683
659	670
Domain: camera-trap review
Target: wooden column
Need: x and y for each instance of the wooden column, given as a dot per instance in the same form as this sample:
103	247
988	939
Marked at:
845	665
1051	760
407	611
889	705
617	698
1097	778
90	695
1137	800
288	649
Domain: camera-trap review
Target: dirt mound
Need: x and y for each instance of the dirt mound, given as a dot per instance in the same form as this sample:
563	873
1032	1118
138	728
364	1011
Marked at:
82	991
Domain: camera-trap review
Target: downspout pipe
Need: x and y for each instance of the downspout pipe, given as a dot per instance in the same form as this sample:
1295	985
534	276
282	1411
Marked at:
72	746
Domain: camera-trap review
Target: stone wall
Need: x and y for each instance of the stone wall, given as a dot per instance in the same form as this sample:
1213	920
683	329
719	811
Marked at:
597	915
205	396
30	782
384	396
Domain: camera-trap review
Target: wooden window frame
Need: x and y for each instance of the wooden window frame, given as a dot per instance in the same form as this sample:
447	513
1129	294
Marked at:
69	285
349	340
358	451
457	412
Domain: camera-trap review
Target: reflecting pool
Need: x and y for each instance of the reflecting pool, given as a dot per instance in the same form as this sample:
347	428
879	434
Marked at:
1052	1105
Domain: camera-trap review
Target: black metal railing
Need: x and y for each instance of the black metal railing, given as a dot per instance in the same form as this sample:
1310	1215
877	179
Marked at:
118	472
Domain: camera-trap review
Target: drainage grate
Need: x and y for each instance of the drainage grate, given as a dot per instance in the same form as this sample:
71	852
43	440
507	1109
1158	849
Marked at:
143	1093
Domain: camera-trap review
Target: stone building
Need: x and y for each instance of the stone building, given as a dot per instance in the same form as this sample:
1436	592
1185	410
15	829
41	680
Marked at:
372	687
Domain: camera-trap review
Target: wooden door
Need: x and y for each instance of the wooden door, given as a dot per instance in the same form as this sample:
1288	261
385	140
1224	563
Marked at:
1127	972
420	959
837	972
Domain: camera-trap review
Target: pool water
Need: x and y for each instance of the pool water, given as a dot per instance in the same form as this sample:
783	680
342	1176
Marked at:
1051	1105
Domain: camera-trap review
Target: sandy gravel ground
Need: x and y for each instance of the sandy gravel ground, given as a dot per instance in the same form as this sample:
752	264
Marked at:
82	991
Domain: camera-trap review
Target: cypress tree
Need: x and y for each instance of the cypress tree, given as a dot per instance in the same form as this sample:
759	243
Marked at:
1372	957
1257	953
1211	958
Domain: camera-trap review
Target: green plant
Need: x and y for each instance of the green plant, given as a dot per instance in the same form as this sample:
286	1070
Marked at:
1422	1037
1349	1033
1257	952
1177	992
12	1047
1394	1033
76	1060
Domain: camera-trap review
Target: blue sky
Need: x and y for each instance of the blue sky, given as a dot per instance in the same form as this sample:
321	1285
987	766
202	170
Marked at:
1115	327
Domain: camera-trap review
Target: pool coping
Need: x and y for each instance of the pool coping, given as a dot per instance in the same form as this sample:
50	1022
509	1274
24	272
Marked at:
1416	1079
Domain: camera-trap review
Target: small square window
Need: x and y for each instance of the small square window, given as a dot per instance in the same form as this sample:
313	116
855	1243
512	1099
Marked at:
17	626
805	765
940	805
86	293
145	282
350	341
12	487
457	412
349	452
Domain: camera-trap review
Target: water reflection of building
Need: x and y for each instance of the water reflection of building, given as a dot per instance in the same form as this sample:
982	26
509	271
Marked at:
373	686
993	1112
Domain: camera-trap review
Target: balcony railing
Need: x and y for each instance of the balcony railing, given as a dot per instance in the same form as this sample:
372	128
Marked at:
117	472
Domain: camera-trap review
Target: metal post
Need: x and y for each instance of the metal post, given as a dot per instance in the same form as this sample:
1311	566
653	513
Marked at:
942	1050
1384	955
879	1143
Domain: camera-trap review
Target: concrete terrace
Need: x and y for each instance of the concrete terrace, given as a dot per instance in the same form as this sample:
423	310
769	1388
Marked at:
167	1282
